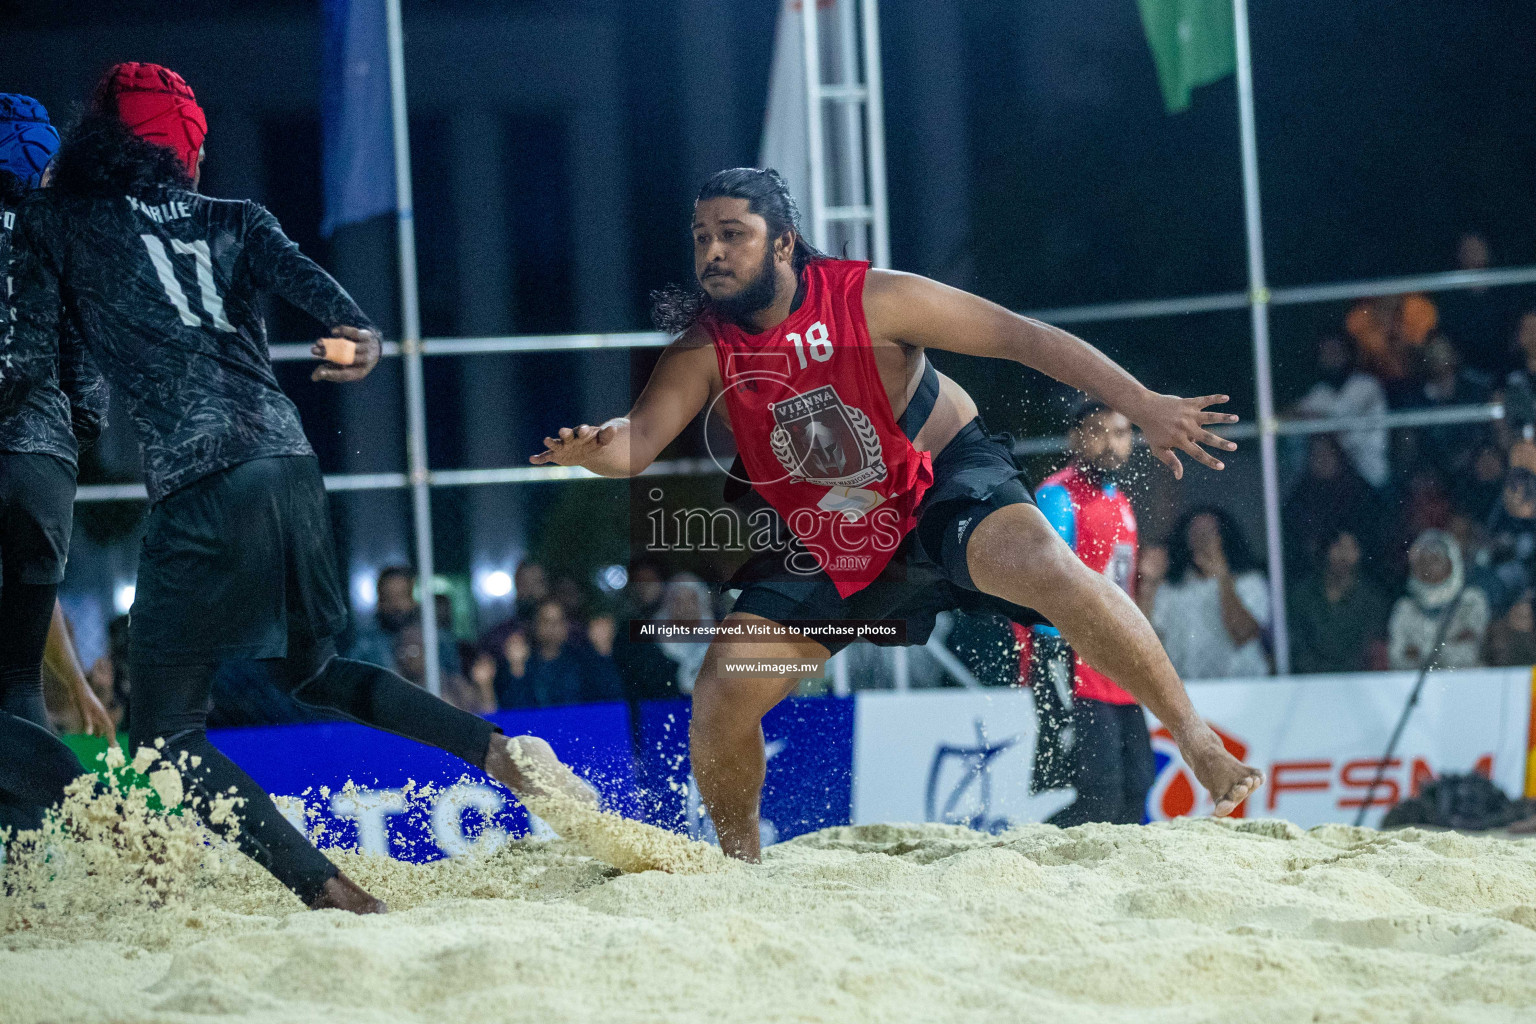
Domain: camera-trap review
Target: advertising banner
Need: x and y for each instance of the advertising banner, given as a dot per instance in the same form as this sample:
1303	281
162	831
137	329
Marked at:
958	756
414	802
1319	740
965	756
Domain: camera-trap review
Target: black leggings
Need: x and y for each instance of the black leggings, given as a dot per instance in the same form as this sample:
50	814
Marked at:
171	702
35	765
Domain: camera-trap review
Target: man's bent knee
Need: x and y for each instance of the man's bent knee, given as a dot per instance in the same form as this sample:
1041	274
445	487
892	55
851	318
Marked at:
305	664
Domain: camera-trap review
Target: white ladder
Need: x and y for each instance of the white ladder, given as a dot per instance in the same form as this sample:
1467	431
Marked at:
848	154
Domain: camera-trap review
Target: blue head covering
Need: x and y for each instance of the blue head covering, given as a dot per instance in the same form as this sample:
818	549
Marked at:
27	139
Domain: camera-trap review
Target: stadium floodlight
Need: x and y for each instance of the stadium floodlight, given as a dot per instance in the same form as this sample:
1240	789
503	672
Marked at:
494	583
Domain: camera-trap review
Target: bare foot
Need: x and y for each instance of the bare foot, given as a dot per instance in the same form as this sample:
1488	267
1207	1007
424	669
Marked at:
1227	779
341	893
529	768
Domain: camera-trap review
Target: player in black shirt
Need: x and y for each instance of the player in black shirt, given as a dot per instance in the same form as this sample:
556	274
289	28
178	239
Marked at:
38	445
237	560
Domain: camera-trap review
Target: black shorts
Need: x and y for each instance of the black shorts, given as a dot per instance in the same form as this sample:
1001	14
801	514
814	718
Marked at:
238	564
974	475
37	507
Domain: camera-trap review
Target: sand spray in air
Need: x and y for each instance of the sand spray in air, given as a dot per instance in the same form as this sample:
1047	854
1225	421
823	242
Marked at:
569	806
112	846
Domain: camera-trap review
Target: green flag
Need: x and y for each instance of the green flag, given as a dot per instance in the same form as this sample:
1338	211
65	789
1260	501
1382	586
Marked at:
1192	43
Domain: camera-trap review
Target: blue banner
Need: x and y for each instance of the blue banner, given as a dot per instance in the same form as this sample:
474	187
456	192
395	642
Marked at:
358	161
414	802
388	813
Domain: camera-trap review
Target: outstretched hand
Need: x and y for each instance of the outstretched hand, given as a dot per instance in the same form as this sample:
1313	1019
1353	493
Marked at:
1172	424
364	355
574	447
95	720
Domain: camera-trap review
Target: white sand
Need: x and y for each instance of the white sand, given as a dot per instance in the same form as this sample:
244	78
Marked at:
1190	922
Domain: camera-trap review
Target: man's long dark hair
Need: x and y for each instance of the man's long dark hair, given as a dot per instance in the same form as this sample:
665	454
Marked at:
1240	557
675	307
101	157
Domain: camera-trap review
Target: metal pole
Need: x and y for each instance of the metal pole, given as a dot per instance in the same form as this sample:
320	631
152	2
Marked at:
1258	299
1441	629
816	154
874	107
410	348
1450	416
1448	281
838	663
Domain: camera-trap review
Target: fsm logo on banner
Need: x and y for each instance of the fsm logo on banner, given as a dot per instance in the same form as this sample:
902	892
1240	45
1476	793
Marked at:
1319	740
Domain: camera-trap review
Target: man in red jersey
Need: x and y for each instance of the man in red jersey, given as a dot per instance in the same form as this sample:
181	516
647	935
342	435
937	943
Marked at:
899	502
1107	754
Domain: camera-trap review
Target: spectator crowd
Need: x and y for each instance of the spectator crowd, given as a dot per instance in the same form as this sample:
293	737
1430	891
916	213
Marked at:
1400	545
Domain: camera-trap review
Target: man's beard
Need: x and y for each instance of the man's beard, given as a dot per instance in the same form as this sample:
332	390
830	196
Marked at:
1099	474
756	296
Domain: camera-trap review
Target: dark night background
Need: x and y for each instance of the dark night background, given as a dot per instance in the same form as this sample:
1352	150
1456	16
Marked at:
1030	160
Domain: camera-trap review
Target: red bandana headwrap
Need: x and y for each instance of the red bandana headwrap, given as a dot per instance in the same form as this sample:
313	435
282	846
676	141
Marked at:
157	105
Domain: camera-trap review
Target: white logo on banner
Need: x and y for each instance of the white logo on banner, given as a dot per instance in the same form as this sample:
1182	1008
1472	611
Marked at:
960	783
959	756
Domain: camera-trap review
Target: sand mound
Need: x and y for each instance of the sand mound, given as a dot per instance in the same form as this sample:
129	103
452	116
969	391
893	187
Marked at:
1189	922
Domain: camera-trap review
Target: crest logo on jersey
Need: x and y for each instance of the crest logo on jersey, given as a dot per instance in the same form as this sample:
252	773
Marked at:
818	438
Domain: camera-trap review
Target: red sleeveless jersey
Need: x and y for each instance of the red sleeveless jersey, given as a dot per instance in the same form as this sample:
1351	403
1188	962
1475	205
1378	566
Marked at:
815	430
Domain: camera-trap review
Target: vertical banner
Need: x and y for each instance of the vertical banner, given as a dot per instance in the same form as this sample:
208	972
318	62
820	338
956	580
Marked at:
357	159
785	145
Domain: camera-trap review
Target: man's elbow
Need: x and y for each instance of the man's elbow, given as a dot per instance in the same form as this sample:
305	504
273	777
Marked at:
630	466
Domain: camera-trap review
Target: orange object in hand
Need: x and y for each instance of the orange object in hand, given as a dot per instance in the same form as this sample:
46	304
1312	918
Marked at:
341	351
